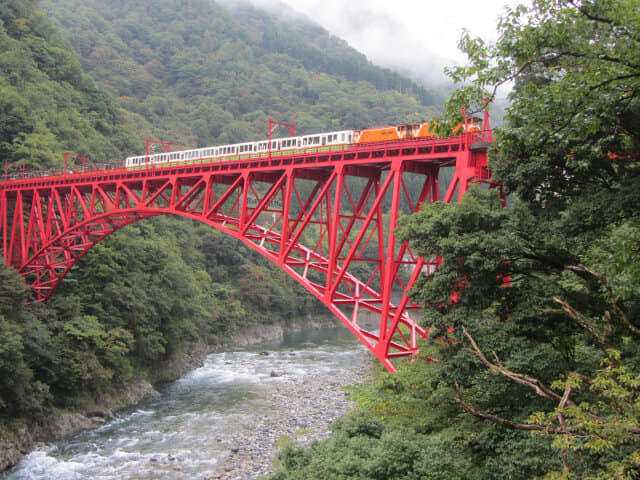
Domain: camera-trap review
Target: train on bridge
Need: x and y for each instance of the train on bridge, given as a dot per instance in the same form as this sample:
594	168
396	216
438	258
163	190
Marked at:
317	142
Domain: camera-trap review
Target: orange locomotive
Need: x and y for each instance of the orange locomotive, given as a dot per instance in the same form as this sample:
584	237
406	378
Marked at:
408	131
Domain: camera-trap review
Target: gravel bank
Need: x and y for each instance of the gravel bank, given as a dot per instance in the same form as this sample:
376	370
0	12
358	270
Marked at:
301	410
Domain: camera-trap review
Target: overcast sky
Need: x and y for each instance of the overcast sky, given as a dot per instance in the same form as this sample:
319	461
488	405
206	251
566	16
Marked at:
418	37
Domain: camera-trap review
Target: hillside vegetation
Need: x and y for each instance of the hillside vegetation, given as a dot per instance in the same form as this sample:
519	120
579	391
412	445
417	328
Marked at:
195	74
48	105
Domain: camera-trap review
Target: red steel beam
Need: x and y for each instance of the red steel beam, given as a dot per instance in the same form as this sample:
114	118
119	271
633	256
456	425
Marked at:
48	223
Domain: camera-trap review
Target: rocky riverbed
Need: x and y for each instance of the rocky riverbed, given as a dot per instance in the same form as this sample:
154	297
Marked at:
303	408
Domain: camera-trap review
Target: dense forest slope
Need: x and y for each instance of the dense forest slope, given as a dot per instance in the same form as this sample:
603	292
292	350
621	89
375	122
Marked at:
195	74
47	103
99	78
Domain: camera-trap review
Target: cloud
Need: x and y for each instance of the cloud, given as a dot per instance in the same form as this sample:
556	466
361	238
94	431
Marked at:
415	37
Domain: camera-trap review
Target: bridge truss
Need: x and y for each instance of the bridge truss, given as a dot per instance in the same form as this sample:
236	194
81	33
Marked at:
326	218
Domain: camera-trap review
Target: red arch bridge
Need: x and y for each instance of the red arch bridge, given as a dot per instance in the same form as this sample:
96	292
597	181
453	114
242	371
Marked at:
326	218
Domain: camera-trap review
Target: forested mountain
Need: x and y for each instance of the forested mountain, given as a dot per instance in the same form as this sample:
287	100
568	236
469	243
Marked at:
97	77
195	74
47	103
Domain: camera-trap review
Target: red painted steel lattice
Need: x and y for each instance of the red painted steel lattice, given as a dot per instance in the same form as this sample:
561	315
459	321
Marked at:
326	218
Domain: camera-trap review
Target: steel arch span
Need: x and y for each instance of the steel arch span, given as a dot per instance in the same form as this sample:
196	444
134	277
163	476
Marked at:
326	218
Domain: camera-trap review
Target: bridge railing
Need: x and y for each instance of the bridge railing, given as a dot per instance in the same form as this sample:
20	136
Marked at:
49	172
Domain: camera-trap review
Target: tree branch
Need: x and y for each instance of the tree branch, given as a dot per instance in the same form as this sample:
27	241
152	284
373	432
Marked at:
530	382
603	280
493	418
604	336
504	422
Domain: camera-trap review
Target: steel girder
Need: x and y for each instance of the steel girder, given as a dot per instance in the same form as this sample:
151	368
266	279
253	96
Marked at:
326	218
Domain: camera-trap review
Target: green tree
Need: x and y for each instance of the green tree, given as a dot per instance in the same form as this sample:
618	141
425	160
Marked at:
546	320
22	390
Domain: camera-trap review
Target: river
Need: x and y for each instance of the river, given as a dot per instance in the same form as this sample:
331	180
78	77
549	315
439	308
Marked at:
224	420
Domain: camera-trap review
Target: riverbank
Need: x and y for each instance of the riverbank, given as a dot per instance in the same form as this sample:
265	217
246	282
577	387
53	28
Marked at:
305	408
19	437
